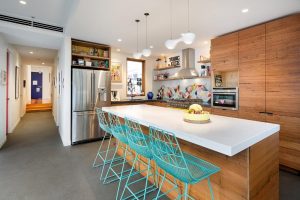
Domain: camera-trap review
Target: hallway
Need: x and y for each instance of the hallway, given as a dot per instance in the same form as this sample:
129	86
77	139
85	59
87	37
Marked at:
34	165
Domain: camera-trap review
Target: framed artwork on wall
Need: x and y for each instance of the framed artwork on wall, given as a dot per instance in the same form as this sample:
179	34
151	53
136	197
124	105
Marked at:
3	77
17	82
116	72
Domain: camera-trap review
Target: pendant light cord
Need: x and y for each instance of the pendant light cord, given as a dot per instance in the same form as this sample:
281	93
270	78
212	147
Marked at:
171	19
146	14
188	15
137	35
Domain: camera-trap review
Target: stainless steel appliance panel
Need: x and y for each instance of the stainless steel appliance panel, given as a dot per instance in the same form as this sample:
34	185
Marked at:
102	89
85	126
82	90
225	98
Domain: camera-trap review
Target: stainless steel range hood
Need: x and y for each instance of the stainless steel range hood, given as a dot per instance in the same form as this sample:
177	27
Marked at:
188	65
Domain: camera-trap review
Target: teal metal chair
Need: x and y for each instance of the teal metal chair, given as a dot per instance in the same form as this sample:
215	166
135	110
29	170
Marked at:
138	141
113	173
182	166
102	156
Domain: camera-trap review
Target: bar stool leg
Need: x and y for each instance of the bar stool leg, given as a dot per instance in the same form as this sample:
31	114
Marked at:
123	165
105	159
210	189
133	164
99	153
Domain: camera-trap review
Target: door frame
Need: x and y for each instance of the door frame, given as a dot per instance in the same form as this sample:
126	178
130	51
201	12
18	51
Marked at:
7	87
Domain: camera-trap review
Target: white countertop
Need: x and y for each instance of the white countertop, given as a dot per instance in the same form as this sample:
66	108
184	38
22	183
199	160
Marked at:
225	135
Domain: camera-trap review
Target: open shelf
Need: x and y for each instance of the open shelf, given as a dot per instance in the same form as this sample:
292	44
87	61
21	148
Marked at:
89	67
204	61
89	56
165	68
172	79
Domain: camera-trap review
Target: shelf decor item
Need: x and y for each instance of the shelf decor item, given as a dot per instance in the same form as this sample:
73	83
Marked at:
150	95
116	72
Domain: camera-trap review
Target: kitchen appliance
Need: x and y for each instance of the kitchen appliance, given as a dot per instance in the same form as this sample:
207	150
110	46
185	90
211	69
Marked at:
91	89
225	98
188	65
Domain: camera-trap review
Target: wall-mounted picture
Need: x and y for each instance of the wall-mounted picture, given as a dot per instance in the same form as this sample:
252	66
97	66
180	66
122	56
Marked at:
17	82
3	77
116	72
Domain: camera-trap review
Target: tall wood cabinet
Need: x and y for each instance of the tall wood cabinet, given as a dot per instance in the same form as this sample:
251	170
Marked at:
224	52
269	78
252	73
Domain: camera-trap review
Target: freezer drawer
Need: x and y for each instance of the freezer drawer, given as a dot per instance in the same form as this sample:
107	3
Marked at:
85	126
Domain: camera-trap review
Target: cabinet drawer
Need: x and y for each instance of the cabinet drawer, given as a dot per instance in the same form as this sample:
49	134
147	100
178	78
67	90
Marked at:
223	112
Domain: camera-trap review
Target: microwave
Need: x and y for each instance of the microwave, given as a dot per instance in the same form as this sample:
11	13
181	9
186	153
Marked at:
225	98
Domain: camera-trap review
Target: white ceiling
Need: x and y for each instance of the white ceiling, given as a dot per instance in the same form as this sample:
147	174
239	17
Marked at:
54	12
105	21
39	56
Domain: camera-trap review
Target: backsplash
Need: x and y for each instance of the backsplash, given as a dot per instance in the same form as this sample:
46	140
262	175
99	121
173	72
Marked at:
185	89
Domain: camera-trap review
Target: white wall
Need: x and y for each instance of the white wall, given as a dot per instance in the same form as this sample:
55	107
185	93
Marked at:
122	58
14	105
64	99
46	90
3	49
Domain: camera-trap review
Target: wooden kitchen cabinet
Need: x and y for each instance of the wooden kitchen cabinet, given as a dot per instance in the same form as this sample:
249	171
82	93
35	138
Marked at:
283	66
224	52
224	112
252	76
157	103
289	151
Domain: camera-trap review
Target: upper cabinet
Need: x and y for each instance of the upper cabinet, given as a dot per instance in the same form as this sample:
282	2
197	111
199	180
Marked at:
252	74
224	52
283	66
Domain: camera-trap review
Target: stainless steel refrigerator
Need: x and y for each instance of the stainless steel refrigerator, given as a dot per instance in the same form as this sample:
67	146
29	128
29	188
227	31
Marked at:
90	90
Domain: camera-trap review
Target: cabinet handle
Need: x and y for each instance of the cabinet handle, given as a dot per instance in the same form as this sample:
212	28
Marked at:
269	113
262	112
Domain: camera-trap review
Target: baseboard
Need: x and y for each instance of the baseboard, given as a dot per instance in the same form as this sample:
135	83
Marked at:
2	141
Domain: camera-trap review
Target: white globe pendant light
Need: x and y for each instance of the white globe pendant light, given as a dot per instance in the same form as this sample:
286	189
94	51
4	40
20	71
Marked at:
146	52
171	44
188	38
137	54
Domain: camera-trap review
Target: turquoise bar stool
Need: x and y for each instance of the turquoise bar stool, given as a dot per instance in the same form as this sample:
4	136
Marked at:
114	173
182	166
138	141
102	158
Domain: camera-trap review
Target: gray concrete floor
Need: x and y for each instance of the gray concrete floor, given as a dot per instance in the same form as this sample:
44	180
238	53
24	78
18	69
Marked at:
35	166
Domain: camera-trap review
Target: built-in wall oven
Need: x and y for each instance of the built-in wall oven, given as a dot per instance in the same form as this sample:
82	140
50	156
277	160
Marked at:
225	98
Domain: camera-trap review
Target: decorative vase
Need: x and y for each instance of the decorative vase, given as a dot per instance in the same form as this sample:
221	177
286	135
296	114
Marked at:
150	95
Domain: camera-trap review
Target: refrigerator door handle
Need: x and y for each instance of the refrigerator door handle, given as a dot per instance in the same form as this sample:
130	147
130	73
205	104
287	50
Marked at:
92	90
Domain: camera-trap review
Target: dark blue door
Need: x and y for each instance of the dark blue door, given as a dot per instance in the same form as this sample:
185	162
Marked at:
36	85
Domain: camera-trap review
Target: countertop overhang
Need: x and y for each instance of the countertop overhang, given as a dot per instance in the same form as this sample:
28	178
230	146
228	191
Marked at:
225	135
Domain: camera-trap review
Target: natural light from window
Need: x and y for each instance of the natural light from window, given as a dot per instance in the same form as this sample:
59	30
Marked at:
134	78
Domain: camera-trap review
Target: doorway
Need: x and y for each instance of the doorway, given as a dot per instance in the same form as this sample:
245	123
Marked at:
36	87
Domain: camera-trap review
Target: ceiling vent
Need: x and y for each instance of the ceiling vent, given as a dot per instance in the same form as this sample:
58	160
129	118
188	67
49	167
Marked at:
31	23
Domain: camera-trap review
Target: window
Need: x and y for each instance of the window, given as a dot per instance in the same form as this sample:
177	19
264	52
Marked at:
135	77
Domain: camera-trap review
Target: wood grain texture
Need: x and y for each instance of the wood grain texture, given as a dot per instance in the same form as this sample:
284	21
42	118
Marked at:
282	66
223	112
289	152
224	52
264	169
252	69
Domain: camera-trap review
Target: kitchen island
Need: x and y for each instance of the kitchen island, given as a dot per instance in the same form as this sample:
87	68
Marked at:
246	151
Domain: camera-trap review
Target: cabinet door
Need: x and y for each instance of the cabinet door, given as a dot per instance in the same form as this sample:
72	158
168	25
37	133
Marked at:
252	72
283	66
224	112
289	142
224	52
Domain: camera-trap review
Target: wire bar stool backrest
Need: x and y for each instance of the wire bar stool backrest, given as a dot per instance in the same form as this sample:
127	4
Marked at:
102	120
136	138
118	130
167	152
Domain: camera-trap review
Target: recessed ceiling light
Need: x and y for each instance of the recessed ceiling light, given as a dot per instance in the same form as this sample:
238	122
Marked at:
118	50
31	52
23	2
205	42
151	46
43	63
119	39
245	10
